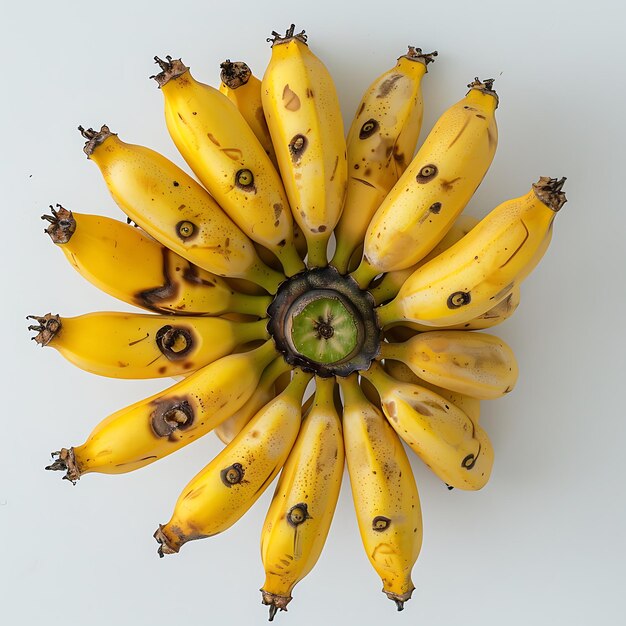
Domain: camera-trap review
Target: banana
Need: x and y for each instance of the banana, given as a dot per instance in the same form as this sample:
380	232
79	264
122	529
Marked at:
381	142
474	364
385	496
436	186
302	111
151	429
302	508
131	266
265	392
234	480
243	89
481	269
172	207
224	153
128	345
401	372
455	448
391	282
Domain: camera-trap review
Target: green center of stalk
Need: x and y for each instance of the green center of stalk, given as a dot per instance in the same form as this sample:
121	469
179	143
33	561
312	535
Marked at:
324	331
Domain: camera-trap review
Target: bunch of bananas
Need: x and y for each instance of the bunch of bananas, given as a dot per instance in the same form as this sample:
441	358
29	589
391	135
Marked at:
246	310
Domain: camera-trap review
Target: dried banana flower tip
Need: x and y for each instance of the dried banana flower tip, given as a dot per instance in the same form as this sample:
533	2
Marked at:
65	461
62	224
416	54
94	137
170	69
277	38
550	192
234	74
47	327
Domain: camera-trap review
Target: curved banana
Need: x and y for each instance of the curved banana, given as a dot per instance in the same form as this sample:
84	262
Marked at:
224	153
381	142
243	89
234	480
475	364
385	496
172	207
265	392
161	424
131	266
302	112
128	345
401	372
302	508
453	446
435	187
479	271
391	282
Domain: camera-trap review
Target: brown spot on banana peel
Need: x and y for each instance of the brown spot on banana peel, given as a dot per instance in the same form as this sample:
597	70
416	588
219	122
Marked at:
291	101
446	185
332	176
151	298
461	131
297	146
171	414
387	85
233	153
361	180
175	342
213	139
526	236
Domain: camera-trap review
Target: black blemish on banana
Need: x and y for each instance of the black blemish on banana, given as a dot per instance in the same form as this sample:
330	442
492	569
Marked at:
244	179
427	173
151	298
380	523
298	514
171	414
297	146
174	342
458	299
368	129
185	229
232	475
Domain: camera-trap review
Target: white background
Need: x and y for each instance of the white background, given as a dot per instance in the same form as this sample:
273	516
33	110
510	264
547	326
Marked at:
543	543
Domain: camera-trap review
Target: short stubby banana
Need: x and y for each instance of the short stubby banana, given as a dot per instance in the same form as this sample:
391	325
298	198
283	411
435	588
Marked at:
391	282
172	207
265	392
401	372
381	143
481	269
299	517
302	111
385	495
224	153
234	480
453	446
436	186
243	89
129	265
151	429
129	345
476	364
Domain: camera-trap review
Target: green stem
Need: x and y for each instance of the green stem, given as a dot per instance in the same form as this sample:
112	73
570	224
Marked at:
316	255
290	259
252	331
352	393
264	276
393	351
324	392
364	274
298	384
341	258
274	370
389	287
379	378
265	354
250	305
388	314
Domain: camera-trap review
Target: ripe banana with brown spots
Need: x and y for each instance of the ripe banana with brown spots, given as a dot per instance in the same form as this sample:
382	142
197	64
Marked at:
165	422
434	189
302	112
224	153
129	345
381	142
385	495
483	268
234	480
130	265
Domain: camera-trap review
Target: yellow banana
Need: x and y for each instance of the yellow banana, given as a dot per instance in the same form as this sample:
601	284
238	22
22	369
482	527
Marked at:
128	345
131	266
234	480
266	391
172	207
436	186
224	153
381	142
303	115
302	508
161	424
455	448
392	281
243	89
401	372
481	269
474	364
385	496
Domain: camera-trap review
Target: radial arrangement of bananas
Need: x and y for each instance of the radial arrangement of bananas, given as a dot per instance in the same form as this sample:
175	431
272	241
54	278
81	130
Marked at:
246	311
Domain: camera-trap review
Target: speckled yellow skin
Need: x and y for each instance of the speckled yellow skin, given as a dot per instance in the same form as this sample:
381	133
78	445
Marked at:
124	262
382	486
210	504
217	143
137	435
435	188
453	446
299	98
377	159
312	476
492	259
475	364
126	345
